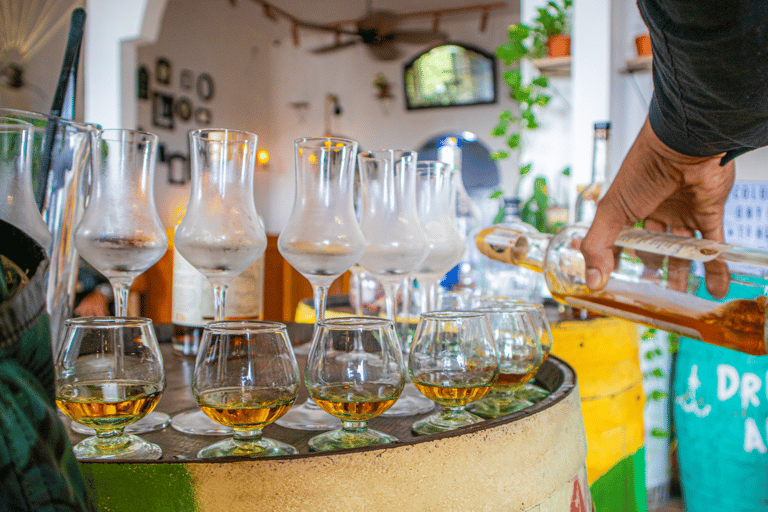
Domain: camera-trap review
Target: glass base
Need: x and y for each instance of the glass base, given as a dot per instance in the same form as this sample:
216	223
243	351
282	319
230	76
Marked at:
262	448
532	393
121	447
149	423
302	350
308	416
345	439
444	421
493	406
410	403
198	424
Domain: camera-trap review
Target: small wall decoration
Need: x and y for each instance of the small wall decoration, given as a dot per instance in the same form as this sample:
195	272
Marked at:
186	80
178	169
203	116
162	110
205	86
163	71
142	84
184	109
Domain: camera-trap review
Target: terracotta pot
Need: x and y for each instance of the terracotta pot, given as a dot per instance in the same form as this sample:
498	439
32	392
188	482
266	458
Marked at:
643	44
559	45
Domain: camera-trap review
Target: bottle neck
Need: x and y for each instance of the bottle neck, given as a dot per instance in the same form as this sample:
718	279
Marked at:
511	246
600	156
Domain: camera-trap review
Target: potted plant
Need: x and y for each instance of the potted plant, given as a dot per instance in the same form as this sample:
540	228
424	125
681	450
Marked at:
552	25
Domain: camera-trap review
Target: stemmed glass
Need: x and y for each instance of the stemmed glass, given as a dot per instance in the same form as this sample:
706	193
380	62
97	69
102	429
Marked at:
120	233
453	362
520	356
397	243
221	234
355	372
435	190
109	374
530	391
245	377
322	239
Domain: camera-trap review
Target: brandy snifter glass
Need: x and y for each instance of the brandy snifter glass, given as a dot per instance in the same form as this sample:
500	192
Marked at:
354	372
520	356
109	374
245	378
453	362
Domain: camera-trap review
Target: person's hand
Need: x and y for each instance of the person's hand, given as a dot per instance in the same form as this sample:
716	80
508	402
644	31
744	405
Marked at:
666	189
93	304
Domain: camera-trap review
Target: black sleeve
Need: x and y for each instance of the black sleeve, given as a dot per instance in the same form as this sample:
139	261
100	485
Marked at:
710	74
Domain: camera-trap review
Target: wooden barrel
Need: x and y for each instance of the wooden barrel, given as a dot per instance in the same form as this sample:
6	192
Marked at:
532	460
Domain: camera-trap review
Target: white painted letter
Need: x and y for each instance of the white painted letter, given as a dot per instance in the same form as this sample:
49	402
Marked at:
750	385
752	438
727	381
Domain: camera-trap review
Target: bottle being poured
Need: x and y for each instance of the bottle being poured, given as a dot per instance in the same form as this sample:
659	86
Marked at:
644	288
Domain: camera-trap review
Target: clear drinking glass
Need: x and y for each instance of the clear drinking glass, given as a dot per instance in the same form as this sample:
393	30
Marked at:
245	377
322	239
221	234
109	374
396	242
453	362
530	391
435	190
120	233
17	200
355	372
520	356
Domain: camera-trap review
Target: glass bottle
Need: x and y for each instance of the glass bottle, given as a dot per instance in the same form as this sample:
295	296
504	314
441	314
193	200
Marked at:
586	201
503	280
642	288
469	218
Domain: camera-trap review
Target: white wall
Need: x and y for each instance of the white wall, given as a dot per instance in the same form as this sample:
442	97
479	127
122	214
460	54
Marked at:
259	72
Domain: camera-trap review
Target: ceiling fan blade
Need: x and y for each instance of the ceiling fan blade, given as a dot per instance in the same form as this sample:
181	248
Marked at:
381	22
418	36
387	51
333	47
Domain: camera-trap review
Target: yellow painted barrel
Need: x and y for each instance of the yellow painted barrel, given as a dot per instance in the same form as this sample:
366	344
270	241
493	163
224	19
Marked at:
605	354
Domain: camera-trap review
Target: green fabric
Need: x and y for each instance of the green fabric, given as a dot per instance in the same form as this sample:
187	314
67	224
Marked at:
622	488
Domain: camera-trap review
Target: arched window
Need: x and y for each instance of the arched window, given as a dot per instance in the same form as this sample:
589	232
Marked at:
450	75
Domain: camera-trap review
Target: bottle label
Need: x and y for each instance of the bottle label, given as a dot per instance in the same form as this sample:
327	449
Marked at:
667	244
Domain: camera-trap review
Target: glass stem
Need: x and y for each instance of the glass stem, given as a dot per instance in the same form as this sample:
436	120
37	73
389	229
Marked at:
121	291
390	296
354	426
219	300
320	293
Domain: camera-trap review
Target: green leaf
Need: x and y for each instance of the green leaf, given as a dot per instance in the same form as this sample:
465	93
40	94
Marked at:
499	155
657	395
525	169
656	432
540	81
496	194
505	115
648	334
514	141
566	171
499	130
499	216
542	100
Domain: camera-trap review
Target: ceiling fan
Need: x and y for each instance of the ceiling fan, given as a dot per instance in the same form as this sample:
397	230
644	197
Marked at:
378	31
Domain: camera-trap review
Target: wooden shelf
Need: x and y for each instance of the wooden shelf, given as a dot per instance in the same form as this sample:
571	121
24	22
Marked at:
554	66
641	63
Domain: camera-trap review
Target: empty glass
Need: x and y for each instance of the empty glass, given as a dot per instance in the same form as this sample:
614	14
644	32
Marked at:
453	362
109	374
322	239
520	356
354	372
245	378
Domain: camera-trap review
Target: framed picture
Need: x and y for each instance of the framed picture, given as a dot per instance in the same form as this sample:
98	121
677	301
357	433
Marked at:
203	116
187	79
205	86
142	83
178	169
162	110
163	71
184	109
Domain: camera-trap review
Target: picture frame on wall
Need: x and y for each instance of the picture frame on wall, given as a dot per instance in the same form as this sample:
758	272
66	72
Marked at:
184	109
162	110
205	87
186	80
178	169
203	116
163	71
142	83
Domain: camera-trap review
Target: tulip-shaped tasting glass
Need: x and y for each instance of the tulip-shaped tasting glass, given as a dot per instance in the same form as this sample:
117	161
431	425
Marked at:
355	372
245	378
109	374
453	362
520	356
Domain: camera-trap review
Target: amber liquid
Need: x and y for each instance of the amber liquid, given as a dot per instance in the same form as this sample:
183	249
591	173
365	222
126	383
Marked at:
511	381
107	405
246	409
358	403
737	324
451	389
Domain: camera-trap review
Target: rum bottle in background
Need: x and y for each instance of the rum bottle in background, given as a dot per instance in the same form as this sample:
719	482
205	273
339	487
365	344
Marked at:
639	289
586	201
469	218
